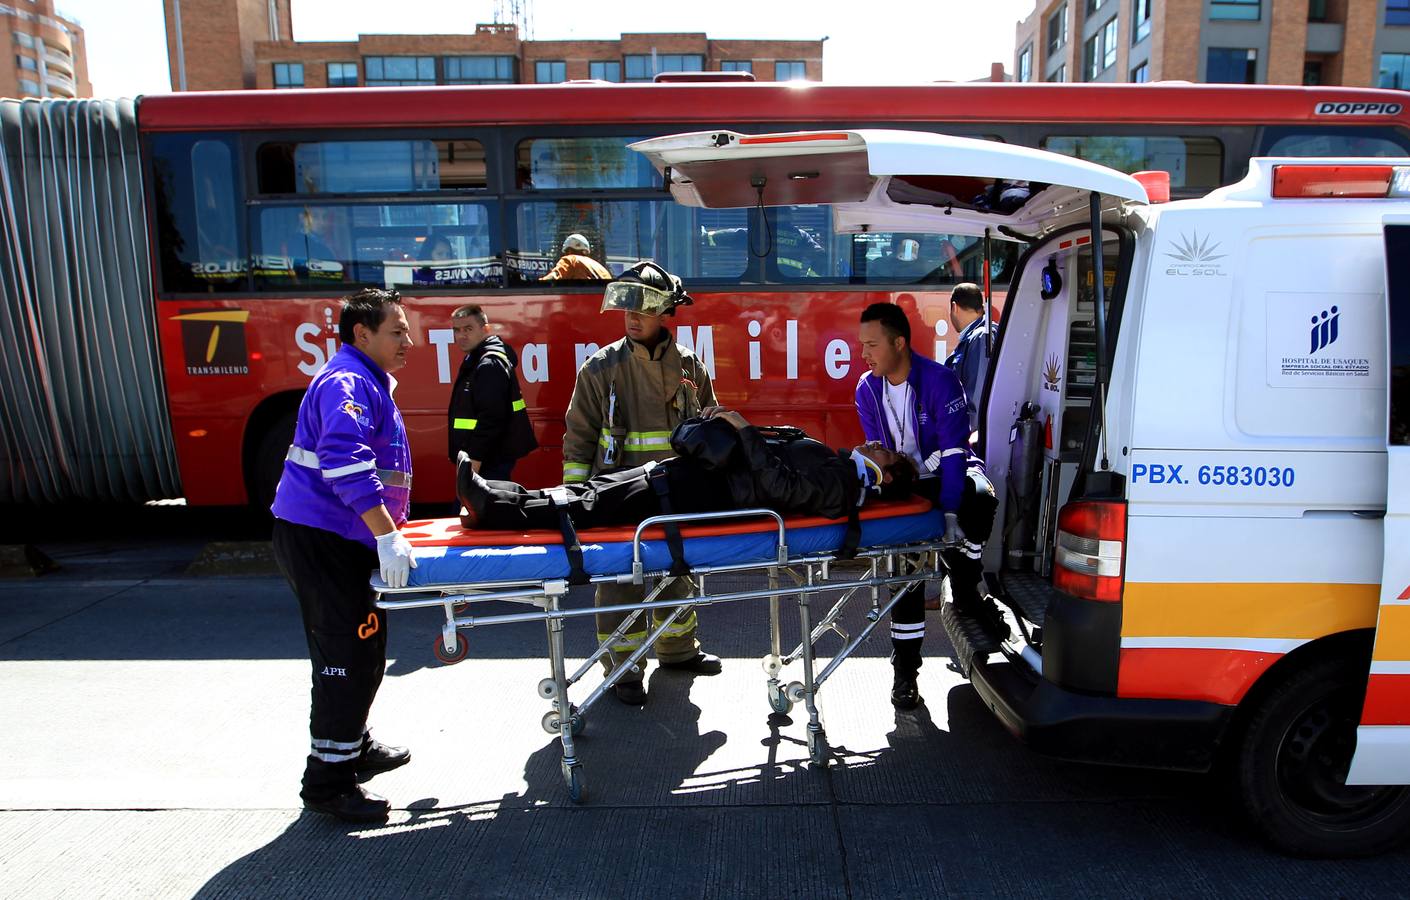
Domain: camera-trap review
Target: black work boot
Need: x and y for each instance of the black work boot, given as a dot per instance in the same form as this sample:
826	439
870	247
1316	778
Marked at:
632	693
700	664
378	757
472	490
353	804
905	694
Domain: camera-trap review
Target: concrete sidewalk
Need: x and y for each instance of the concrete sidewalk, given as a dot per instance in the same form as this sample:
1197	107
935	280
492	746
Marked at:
157	725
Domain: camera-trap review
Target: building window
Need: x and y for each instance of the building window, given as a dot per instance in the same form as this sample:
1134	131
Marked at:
550	71
1398	12
29	87
1109	44
789	70
1057	29
605	70
1025	64
1231	65
26	62
1140	20
477	70
1093	6
1395	71
288	75
1242	10
1092	57
1141	74
645	67
1060	75
1312	72
737	65
1316	10
384	71
342	74
24	39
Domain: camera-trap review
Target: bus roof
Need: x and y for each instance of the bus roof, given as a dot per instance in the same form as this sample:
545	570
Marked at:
585	104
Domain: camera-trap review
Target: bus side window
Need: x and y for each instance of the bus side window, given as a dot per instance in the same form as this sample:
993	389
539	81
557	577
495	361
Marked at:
200	224
1287	141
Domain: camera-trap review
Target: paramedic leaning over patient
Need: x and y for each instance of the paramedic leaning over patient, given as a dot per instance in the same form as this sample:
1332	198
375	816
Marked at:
344	493
915	406
628	397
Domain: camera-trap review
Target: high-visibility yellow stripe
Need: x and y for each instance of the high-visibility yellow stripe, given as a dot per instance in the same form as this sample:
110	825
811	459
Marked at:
1393	634
465	424
575	472
517	405
1258	610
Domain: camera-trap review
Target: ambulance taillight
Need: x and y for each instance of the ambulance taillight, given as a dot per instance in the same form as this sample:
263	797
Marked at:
1347	182
1091	544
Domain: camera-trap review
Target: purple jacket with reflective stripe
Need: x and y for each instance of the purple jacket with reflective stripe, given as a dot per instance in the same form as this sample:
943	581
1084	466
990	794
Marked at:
939	418
350	451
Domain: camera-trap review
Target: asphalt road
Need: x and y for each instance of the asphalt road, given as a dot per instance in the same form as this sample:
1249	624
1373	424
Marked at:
156	723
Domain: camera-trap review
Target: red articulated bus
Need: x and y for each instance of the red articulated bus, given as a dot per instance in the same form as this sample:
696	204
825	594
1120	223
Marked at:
266	207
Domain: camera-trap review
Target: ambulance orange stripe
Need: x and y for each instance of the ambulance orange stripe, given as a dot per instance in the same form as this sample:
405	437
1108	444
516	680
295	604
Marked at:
1387	700
1393	634
1217	676
1258	610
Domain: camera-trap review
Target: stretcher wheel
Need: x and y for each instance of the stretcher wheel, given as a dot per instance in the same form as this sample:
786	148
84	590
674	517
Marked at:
794	691
548	689
778	699
550	722
817	748
772	665
462	647
573	781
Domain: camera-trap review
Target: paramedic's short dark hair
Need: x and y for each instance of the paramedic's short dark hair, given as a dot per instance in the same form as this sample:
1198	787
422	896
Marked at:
893	320
471	309
968	296
903	479
366	307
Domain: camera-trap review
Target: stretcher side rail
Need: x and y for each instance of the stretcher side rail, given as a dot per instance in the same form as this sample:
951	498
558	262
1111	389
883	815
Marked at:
691	518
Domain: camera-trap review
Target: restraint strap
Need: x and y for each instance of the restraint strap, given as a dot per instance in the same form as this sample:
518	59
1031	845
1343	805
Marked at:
577	574
679	567
852	539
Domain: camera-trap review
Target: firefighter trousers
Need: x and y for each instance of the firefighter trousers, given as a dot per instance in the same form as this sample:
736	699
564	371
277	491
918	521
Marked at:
676	645
966	571
347	647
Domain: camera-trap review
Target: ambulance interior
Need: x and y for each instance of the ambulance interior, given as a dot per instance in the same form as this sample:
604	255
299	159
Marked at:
1037	433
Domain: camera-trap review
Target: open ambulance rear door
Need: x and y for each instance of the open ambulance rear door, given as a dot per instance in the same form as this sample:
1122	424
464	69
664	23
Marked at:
1383	737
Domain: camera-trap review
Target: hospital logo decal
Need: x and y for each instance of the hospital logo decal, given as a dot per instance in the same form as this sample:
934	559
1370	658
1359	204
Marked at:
357	412
1194	255
214	341
1324	330
1052	373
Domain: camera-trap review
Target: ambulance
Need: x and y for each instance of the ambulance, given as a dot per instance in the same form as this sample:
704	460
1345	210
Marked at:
1197	420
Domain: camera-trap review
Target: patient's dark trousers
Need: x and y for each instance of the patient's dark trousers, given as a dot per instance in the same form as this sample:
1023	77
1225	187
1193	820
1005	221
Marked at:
347	647
616	498
976	519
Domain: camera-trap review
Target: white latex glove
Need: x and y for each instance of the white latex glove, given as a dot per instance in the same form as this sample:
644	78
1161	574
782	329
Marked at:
394	556
953	533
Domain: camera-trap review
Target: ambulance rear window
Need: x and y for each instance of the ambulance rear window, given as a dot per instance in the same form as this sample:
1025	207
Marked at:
1288	141
1398	291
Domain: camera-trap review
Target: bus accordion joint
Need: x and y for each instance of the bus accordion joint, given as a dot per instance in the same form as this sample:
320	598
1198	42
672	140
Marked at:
1292	181
1091	541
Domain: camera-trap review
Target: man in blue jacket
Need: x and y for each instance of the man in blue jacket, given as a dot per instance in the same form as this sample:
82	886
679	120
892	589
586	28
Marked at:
970	361
344	493
916	406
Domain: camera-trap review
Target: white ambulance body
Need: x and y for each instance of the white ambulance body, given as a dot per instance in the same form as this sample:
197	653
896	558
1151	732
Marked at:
1203	526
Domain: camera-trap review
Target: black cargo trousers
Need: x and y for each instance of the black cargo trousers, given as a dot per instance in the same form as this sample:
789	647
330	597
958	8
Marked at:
976	519
347	647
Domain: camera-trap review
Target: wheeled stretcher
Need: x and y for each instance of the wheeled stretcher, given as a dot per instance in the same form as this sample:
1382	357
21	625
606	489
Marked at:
897	544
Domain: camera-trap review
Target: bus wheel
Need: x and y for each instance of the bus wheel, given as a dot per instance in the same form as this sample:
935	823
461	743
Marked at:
1292	765
268	463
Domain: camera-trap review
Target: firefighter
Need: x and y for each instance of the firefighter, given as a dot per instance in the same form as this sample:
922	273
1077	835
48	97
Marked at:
915	406
343	495
575	264
487	417
628	398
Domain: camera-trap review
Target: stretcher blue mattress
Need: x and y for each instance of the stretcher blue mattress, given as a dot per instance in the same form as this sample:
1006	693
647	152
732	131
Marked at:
447	554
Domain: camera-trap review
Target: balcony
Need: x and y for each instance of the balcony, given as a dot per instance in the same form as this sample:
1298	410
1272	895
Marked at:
1324	37
60	84
61	61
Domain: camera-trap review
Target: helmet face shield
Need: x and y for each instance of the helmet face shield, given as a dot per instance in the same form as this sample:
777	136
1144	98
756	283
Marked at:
631	296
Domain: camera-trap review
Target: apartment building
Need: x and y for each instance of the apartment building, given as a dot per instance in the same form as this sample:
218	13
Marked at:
1359	43
48	55
242	44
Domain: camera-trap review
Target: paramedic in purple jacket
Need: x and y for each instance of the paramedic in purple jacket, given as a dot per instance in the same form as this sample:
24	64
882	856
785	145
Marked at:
916	406
344	493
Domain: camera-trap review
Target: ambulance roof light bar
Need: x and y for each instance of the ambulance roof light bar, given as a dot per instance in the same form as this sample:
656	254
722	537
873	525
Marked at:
1340	182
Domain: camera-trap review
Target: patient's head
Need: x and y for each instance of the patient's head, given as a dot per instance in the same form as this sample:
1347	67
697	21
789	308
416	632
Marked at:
898	472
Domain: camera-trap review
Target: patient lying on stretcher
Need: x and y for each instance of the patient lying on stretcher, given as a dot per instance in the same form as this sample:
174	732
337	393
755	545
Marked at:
723	463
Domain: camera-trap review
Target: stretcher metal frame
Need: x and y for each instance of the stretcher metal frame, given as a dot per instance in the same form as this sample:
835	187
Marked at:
895	568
